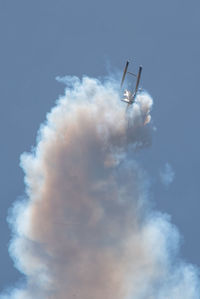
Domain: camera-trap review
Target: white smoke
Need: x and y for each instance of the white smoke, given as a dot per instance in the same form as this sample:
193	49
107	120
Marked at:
86	229
167	175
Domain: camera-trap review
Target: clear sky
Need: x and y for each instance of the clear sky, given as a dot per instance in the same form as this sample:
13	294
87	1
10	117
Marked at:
43	39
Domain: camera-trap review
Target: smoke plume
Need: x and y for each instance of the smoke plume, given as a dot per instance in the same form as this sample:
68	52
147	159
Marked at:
86	229
167	175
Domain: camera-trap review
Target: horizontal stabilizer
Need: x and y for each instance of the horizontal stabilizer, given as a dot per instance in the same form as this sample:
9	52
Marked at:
132	74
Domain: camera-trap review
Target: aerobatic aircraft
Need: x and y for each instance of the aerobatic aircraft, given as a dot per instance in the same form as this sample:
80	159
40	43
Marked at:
129	97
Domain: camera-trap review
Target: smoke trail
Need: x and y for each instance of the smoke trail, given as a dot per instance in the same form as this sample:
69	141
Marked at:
167	175
86	229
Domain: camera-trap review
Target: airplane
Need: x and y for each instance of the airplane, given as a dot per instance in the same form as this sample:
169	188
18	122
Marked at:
129	97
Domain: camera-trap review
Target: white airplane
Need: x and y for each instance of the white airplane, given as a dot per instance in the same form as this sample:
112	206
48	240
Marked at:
129	97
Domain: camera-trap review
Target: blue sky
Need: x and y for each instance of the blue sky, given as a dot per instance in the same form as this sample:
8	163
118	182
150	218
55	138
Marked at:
44	39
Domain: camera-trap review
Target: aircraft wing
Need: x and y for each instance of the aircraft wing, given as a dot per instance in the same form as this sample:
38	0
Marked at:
124	73
138	79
